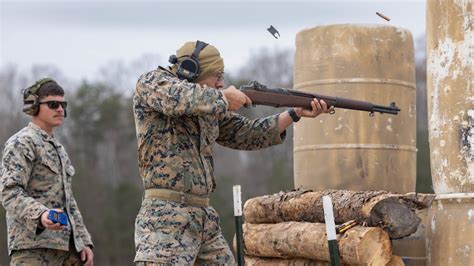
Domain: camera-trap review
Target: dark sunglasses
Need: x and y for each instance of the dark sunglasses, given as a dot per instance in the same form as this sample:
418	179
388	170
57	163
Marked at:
55	104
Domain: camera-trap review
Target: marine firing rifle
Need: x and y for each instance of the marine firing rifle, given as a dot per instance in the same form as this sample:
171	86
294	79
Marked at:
280	97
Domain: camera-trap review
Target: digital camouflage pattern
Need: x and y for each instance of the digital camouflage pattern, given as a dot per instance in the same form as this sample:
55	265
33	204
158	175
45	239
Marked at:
36	176
180	234
177	122
45	257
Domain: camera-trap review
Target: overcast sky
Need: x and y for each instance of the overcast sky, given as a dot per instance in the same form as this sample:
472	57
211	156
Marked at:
79	37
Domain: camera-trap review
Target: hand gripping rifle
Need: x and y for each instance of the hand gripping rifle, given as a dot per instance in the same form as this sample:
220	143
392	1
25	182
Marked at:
280	97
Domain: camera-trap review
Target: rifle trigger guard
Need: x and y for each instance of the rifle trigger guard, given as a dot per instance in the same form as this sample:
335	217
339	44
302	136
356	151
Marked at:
371	113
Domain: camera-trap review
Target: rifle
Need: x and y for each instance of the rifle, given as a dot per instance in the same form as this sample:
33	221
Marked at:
280	97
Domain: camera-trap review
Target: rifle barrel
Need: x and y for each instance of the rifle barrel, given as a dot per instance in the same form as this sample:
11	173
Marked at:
392	109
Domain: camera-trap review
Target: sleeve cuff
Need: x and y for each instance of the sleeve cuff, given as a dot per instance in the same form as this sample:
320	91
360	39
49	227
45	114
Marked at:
278	138
282	136
40	227
34	224
221	101
88	242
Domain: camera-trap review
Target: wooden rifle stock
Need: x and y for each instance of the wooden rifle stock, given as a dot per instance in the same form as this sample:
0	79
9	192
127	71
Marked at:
280	97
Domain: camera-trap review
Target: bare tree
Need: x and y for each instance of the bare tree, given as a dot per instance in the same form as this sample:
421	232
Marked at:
272	67
123	76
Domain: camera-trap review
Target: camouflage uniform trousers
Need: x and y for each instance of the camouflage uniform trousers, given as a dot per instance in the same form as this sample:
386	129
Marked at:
170	233
44	257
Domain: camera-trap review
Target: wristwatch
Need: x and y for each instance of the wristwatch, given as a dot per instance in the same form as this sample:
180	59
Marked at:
293	115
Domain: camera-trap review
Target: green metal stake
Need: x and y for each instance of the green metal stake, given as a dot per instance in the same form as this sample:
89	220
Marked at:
238	225
331	231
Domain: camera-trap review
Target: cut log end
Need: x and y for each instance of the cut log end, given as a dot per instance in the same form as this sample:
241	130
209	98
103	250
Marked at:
396	261
397	219
373	246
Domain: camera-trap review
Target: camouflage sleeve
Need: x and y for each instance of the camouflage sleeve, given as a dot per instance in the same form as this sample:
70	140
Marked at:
16	169
80	227
239	132
176	98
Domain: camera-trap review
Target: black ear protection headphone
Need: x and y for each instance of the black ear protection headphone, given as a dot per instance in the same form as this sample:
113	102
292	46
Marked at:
189	67
31	99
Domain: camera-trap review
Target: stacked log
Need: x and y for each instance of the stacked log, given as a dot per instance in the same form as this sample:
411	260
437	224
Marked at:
256	261
393	212
367	245
288	228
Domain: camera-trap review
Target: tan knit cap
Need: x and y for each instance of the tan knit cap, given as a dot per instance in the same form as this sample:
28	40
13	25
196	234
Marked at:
210	59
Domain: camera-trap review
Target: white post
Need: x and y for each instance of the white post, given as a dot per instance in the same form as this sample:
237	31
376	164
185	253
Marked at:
331	230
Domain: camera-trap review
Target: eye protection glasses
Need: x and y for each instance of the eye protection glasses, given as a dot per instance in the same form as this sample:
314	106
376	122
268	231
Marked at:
55	104
219	76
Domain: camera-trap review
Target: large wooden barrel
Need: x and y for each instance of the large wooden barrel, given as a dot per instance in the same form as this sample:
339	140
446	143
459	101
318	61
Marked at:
450	234
450	78
350	149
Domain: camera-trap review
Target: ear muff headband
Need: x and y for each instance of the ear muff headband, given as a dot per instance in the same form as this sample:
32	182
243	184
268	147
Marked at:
199	46
31	99
189	67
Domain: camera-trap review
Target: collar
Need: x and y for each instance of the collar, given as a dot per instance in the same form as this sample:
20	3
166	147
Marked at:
167	70
42	133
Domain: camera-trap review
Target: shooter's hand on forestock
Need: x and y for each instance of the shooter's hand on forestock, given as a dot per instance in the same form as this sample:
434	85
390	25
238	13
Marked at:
318	107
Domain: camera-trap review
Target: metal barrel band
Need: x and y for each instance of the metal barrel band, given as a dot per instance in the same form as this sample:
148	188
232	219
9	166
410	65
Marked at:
176	196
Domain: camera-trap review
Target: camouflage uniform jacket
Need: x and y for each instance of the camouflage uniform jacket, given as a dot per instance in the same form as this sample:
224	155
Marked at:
177	123
36	176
